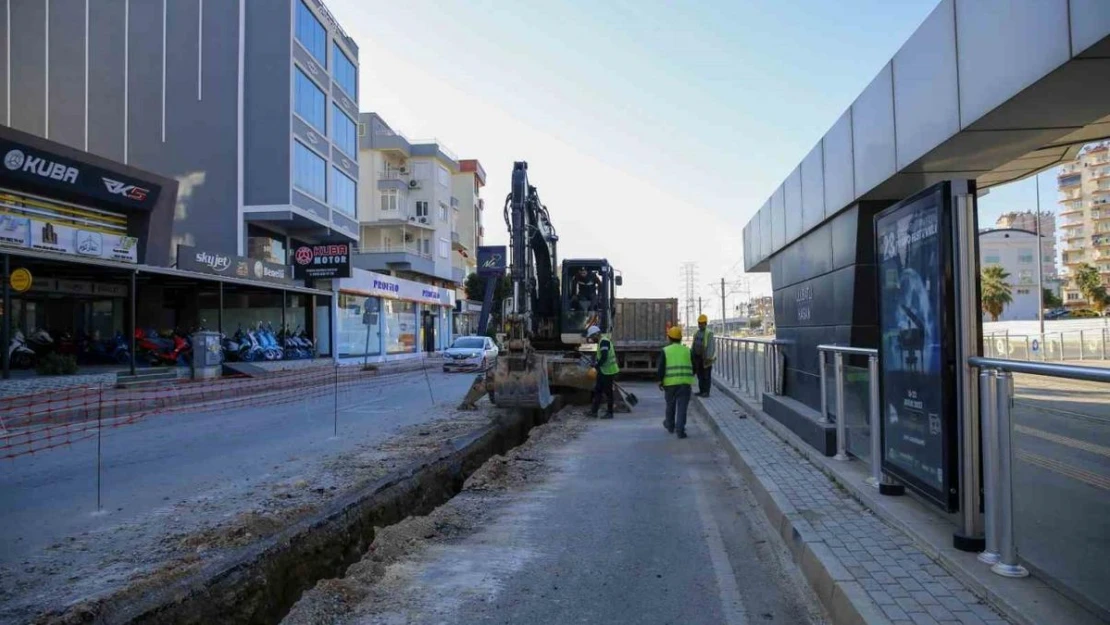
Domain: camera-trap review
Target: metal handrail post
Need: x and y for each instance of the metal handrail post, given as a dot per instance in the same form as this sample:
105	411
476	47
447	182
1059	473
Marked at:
1028	354
824	386
1008	565
1082	346
841	421
1104	343
875	419
988	408
1044	349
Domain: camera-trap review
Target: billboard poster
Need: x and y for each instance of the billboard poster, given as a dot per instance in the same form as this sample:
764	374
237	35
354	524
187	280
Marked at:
917	351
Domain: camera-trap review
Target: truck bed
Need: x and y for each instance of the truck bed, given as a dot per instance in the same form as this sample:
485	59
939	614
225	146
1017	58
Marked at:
640	331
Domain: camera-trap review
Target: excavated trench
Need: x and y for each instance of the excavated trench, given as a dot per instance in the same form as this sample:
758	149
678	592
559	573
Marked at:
263	581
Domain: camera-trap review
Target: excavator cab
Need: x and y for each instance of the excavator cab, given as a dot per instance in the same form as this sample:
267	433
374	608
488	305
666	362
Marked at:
588	293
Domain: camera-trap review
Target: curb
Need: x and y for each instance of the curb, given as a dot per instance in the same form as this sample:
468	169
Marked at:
844	599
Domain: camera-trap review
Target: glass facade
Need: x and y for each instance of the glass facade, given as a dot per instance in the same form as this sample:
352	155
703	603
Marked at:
309	101
311	34
309	171
344	132
401	329
343	192
345	73
354	336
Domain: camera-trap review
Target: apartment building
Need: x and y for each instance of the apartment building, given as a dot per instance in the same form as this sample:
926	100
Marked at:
1027	220
1015	251
412	224
250	106
466	188
1084	187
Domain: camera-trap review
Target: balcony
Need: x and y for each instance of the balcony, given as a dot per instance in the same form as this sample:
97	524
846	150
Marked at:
1068	180
1075	234
1072	223
458	244
393	179
406	257
382	137
1075	247
1101	241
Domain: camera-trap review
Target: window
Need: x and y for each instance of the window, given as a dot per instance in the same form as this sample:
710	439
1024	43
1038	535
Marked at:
309	172
422	171
1023	291
311	34
342	192
427	247
991	258
444	248
344	132
1025	257
345	73
308	101
443	177
1073	296
400	326
443	212
391	200
421	209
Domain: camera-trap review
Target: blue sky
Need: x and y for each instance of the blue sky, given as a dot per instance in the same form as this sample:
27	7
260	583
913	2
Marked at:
653	130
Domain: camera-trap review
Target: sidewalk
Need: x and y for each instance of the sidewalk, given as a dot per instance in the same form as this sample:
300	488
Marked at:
871	559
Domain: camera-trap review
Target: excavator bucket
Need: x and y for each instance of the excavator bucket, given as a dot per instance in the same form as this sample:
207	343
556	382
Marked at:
521	381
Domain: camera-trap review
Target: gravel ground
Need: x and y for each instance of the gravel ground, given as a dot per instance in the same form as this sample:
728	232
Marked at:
132	555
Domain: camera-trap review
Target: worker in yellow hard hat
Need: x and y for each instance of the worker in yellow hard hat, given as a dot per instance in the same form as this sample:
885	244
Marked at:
704	353
676	377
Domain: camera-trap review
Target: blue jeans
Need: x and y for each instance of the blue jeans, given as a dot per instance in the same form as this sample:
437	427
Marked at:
678	398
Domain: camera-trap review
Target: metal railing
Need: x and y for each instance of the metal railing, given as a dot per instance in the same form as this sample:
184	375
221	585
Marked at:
1078	345
1079	467
750	364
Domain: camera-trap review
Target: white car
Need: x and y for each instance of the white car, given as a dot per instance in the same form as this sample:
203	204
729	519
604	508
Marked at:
470	352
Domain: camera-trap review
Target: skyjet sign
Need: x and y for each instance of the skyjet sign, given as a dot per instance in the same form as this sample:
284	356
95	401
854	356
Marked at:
18	160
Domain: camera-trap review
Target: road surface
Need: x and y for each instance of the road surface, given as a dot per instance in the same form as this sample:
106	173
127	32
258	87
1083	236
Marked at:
168	475
632	526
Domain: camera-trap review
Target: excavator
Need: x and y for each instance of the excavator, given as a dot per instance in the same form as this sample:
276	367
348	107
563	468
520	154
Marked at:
545	351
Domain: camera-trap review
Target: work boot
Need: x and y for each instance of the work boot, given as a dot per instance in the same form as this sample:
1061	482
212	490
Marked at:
607	415
682	434
669	427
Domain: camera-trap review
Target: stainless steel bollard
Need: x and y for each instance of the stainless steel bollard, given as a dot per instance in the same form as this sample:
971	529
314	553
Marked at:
876	421
1028	354
841	420
824	387
1082	346
988	414
1008	565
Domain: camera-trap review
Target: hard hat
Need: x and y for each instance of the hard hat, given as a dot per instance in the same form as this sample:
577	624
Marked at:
675	333
703	319
592	331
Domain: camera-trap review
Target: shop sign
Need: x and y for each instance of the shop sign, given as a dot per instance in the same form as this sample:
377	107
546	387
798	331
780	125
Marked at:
49	236
79	287
313	262
55	172
492	260
375	284
193	259
20	280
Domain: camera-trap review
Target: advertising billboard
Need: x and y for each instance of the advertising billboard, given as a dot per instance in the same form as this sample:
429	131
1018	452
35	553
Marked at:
322	262
917	349
193	259
492	260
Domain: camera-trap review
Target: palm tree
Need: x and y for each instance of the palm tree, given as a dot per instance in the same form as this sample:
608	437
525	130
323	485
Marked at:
1089	281
996	291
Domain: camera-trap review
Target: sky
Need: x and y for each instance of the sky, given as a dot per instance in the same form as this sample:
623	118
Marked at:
653	130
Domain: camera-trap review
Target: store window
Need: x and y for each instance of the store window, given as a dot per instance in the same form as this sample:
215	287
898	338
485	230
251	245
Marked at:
354	336
309	172
311	34
400	326
309	102
322	321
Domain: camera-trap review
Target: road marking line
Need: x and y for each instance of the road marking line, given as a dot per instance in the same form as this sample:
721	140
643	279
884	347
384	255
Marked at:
732	604
1064	440
1059	411
1075	473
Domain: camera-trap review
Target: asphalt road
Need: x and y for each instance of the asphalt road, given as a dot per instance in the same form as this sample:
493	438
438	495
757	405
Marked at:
1061	440
633	526
214	457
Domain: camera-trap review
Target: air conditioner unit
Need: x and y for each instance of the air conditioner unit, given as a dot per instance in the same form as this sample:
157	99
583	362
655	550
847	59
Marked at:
414	184
408	238
423	220
412	219
403	170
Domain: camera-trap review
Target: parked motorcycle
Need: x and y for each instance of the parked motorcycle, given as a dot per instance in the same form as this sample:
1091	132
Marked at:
19	354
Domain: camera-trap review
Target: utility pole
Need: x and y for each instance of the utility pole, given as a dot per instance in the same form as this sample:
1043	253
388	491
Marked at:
699	305
689	275
1040	260
724	311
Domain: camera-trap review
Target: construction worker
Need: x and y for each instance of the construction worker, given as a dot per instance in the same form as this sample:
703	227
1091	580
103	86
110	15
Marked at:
607	369
676	376
704	353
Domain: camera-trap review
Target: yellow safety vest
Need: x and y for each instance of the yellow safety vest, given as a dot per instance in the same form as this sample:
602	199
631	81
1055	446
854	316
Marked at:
610	366
680	365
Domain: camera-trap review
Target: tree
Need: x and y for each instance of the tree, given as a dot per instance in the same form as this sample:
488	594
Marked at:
1089	281
1050	299
996	290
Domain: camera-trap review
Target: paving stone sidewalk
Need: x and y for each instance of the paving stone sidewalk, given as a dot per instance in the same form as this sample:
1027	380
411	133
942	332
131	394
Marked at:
901	580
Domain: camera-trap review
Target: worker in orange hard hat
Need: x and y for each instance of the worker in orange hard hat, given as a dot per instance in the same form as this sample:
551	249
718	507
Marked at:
676	376
704	353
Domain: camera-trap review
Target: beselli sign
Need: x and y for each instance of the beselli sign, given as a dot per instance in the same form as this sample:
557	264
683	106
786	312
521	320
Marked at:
193	259
916	306
312	262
